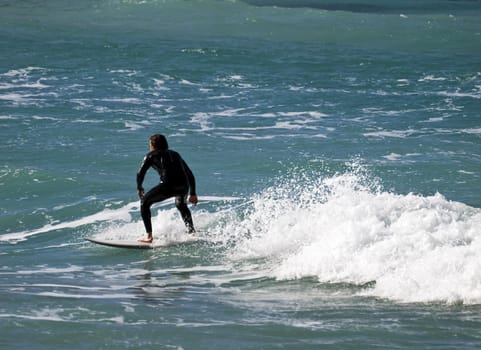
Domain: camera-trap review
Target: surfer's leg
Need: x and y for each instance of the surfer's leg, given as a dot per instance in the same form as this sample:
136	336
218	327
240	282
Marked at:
155	195
181	204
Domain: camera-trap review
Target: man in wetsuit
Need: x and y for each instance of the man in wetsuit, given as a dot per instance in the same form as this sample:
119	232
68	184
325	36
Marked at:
176	180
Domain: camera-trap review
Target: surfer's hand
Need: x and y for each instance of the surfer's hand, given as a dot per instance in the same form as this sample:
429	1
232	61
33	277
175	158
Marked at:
140	193
193	200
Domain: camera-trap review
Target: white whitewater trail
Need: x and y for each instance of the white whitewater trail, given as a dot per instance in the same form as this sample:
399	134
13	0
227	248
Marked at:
120	215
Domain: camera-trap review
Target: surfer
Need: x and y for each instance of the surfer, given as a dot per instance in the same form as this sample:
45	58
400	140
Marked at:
176	180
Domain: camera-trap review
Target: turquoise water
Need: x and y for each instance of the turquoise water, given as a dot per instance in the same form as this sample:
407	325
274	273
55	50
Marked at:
336	147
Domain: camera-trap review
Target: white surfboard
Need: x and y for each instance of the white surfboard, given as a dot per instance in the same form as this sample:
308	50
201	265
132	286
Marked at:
140	245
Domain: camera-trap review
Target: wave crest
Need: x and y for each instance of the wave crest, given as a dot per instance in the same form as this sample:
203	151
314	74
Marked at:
346	229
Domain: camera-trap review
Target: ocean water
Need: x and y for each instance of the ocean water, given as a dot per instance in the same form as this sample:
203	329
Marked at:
336	147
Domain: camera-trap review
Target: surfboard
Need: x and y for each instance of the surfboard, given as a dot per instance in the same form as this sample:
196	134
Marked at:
140	245
121	244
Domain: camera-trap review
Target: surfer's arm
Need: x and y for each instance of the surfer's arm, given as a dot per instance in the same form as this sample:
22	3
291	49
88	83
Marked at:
190	179
141	174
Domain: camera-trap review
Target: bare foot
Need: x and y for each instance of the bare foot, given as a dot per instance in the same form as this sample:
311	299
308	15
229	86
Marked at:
146	240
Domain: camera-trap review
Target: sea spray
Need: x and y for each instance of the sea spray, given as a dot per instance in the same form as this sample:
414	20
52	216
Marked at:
346	229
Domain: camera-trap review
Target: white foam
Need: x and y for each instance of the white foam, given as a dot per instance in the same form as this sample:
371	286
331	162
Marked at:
125	72
461	171
15	97
23	72
187	82
57	270
36	117
248	137
390	133
285	121
159	84
39	315
35	85
312	114
344	229
393	156
137	125
431	78
62	315
475	131
236	77
42	269
130	100
122	214
396	156
294	125
7	117
435	119
86	296
476	95
121	225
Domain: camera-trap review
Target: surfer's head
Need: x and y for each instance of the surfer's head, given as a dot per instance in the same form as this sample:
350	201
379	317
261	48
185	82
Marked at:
159	142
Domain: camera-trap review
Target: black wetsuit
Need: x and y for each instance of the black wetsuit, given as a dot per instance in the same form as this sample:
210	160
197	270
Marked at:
176	179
